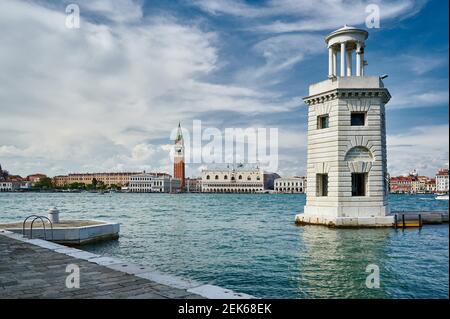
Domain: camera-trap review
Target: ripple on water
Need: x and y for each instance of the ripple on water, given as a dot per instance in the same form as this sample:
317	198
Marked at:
249	243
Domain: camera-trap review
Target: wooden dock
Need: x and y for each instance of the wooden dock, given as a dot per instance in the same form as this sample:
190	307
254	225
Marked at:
404	219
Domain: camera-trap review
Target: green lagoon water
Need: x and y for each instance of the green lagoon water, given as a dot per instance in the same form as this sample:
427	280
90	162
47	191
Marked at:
249	243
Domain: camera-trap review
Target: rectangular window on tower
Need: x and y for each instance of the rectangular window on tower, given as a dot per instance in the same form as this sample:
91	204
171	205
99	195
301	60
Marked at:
322	184
358	118
359	181
323	121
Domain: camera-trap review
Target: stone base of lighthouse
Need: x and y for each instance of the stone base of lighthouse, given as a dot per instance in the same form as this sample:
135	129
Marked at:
346	216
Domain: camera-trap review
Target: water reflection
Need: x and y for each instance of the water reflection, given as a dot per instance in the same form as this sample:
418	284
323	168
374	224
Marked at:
332	262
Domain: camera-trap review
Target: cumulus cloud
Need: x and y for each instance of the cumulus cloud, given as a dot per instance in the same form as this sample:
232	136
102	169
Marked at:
280	53
95	94
414	78
106	96
411	98
116	10
306	15
424	148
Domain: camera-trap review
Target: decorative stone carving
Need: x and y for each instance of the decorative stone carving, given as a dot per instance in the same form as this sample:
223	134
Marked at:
359	154
359	167
359	105
322	168
324	108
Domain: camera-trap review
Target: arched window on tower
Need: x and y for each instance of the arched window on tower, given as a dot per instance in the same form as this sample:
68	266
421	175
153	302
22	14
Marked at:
359	160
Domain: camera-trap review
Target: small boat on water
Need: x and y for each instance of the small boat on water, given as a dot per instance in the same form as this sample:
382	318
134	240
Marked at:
442	197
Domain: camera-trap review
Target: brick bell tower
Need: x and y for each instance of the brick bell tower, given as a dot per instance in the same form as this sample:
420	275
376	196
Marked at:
178	163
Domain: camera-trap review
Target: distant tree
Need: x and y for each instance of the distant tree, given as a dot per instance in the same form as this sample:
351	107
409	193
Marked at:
4	174
101	185
94	182
79	186
44	183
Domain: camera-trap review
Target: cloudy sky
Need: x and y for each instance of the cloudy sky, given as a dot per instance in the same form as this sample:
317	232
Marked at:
106	96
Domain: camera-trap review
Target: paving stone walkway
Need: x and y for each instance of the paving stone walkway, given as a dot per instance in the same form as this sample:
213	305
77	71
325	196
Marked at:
30	271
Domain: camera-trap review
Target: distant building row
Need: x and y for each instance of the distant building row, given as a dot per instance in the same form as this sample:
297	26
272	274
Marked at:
136	182
109	179
414	183
10	183
153	183
290	185
244	180
241	180
235	181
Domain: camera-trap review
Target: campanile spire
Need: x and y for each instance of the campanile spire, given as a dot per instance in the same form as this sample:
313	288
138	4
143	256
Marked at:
178	163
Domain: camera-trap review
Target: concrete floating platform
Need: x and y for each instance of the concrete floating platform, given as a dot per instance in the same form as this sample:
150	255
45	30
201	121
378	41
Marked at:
69	232
395	219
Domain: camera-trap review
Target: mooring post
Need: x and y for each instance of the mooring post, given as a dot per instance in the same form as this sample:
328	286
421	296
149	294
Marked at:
403	220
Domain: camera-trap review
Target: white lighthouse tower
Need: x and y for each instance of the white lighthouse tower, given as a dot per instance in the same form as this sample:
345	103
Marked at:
346	169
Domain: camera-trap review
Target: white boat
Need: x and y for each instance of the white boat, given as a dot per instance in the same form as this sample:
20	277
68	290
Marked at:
442	197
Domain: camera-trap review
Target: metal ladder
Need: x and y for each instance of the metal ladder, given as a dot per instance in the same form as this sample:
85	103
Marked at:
31	226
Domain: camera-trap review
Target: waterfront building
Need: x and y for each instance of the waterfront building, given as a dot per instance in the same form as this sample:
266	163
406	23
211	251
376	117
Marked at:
141	183
413	183
442	180
15	178
290	185
418	184
6	186
178	161
152	183
193	185
23	185
430	185
401	184
233	180
60	180
167	184
12	186
346	161
10	183
108	179
35	178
